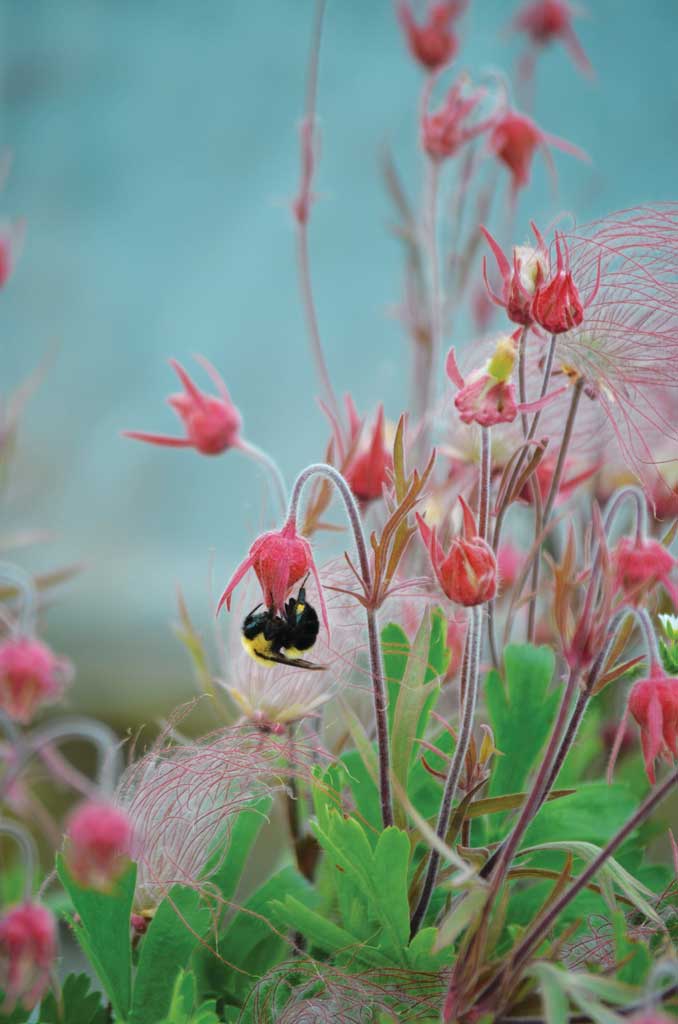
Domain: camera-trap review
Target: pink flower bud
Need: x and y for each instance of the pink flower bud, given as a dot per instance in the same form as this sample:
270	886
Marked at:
520	280
468	572
445	132
30	675
641	565
368	470
280	559
99	837
11	240
434	43
27	952
212	422
653	702
556	306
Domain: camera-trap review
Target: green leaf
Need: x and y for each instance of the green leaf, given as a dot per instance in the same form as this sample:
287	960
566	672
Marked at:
104	932
323	933
460	916
593	814
521	711
395	649
78	1004
182	1005
250	941
177	926
414	697
636	954
244	832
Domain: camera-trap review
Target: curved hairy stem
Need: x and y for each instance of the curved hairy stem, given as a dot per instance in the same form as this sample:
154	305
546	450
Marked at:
373	643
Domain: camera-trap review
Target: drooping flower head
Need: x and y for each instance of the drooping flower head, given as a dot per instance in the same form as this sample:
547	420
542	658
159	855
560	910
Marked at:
515	138
626	347
546	21
31	675
212	422
446	131
556	305
653	702
280	558
368	468
487	396
468	572
27	954
433	43
98	843
640	565
521	279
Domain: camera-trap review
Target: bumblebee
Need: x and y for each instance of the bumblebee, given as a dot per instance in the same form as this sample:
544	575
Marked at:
271	638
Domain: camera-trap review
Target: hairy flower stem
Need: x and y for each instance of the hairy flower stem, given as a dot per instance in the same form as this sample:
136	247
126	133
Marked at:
272	467
433	360
472	664
542	926
39	743
302	207
373	641
515	475
536	795
485	482
552	495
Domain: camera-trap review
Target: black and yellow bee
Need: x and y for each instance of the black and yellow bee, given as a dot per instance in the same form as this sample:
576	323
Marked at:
272	638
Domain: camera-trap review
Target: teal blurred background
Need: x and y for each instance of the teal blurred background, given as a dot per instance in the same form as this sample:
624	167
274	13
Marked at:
155	152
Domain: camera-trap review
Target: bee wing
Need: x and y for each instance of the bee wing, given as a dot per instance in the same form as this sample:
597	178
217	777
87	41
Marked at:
293	662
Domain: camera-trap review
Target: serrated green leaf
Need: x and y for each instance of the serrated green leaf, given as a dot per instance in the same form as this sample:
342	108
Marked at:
79	1005
391	863
182	1005
323	933
250	940
521	711
177	926
104	932
636	954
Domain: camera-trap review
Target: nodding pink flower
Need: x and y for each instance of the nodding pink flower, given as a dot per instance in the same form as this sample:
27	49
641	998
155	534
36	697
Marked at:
99	836
556	305
27	954
280	558
653	702
368	470
641	565
514	140
30	675
487	396
521	279
212	422
434	43
468	572
548	20
445	132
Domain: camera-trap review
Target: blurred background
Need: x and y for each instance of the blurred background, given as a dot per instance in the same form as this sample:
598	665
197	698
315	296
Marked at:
154	156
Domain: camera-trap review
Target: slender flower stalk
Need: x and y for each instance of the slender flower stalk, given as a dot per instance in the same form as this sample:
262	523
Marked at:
301	209
542	926
436	300
485	483
271	466
373	641
470	697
